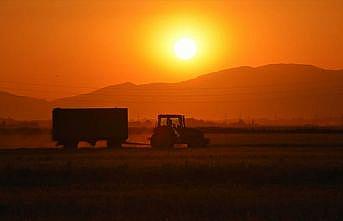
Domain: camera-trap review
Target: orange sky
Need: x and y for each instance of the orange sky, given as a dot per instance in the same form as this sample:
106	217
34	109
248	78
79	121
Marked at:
52	49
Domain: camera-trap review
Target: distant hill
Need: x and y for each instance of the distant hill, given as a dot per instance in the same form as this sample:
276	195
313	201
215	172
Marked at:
23	108
270	91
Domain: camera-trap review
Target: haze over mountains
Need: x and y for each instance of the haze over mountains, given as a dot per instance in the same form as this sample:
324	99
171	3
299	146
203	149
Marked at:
276	90
23	108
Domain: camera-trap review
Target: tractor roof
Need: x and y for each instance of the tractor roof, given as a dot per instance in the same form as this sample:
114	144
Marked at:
170	115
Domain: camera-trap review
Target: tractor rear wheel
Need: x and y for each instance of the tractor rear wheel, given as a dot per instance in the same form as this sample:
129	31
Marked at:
161	141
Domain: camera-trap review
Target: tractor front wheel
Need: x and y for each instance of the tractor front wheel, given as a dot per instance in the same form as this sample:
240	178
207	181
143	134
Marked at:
197	142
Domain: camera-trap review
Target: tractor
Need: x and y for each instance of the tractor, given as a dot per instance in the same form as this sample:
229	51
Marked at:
171	129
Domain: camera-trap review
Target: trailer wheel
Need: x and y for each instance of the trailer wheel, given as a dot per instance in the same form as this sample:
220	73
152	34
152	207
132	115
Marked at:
70	145
113	144
92	143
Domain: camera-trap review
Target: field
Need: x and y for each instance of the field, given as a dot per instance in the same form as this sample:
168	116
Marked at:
41	138
214	183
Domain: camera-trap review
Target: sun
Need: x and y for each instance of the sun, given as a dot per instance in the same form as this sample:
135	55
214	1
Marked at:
185	48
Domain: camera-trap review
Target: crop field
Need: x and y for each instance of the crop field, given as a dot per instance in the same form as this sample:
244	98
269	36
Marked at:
41	138
213	183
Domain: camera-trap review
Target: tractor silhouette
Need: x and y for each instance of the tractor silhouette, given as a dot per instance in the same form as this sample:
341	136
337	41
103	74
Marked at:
171	129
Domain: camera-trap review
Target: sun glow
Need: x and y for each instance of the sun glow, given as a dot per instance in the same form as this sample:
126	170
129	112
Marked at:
185	48
179	46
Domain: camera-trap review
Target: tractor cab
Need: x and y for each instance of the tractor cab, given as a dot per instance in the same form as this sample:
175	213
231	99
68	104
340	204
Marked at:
171	121
171	129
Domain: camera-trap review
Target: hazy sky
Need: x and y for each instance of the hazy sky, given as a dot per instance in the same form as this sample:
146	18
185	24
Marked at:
51	49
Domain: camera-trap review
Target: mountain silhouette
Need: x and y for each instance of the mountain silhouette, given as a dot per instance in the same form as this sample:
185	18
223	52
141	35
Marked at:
23	108
282	90
275	90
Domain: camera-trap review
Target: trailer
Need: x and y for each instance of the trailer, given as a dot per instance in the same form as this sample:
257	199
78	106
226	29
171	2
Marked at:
70	126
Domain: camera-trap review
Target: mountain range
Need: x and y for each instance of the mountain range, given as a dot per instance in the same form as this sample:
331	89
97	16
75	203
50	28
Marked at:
269	91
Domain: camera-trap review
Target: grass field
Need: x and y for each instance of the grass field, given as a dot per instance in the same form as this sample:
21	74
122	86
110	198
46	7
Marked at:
214	183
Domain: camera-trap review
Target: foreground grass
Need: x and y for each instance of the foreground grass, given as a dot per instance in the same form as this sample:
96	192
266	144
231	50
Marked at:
252	183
